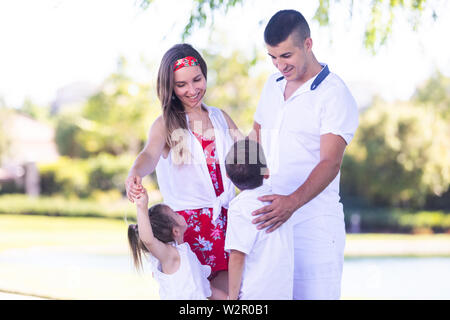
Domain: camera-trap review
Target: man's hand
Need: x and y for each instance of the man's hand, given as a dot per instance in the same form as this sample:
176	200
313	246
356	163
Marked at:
276	213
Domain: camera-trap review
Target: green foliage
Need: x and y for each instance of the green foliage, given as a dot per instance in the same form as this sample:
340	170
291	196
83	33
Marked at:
321	14
108	172
233	88
34	111
67	136
115	120
200	12
400	155
435	91
59	206
398	220
378	28
67	176
81	177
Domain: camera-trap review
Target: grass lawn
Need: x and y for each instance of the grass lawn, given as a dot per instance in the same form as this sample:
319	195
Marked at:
88	258
44	256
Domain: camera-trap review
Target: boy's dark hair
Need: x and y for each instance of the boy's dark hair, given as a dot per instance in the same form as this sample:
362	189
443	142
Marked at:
162	225
284	23
245	164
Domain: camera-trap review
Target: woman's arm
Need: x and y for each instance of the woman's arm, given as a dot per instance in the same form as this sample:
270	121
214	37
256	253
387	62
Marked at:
147	159
235	270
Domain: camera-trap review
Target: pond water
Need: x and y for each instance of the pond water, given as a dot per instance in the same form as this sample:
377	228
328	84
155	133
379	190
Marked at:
396	278
363	278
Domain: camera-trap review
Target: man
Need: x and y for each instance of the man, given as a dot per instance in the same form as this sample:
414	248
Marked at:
305	118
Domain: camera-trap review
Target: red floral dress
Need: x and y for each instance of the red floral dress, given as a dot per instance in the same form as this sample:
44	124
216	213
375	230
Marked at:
206	240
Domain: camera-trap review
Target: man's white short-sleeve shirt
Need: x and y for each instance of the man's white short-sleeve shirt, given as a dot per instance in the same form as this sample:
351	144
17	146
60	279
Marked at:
269	262
291	130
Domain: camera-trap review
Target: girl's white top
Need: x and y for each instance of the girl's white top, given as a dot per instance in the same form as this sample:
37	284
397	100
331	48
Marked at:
189	282
188	185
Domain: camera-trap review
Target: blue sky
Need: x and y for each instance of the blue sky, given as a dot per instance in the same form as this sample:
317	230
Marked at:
47	44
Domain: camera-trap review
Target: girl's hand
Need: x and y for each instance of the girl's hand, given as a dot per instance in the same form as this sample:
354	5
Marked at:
142	198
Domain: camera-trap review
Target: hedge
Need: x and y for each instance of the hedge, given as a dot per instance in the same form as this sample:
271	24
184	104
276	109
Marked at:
371	220
59	206
398	220
80	177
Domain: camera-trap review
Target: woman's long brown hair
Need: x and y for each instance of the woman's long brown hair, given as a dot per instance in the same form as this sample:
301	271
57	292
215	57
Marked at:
173	111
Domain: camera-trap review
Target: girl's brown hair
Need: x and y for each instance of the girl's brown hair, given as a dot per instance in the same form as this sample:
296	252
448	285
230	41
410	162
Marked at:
173	111
162	225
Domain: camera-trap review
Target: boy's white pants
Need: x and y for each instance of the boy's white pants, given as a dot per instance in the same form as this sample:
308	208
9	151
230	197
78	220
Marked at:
319	258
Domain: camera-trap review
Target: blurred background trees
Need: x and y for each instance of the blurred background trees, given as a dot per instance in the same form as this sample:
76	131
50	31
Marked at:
400	155
377	31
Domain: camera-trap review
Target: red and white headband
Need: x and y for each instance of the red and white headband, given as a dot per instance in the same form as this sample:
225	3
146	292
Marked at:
185	62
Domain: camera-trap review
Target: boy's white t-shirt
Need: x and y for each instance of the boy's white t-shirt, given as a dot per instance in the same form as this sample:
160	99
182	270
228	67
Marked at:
269	262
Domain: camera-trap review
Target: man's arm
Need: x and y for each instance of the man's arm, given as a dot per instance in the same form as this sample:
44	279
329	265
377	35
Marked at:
332	149
235	270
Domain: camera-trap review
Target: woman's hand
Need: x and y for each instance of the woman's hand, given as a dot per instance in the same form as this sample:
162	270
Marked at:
133	186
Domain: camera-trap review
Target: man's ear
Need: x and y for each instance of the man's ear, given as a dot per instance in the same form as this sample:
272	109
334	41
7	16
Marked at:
308	44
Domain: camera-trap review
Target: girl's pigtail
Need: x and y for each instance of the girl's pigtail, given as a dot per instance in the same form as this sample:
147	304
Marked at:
135	245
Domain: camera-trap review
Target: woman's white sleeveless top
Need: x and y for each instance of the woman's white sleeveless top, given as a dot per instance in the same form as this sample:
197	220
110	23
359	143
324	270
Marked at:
189	282
188	185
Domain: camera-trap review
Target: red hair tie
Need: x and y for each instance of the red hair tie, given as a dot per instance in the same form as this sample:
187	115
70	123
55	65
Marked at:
185	62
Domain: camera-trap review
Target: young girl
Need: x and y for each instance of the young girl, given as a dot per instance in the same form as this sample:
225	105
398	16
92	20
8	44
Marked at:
159	234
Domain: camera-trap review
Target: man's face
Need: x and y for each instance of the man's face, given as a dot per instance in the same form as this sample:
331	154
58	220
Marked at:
289	58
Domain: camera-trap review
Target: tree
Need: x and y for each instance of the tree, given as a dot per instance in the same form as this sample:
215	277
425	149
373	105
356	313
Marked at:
400	155
378	28
436	92
115	120
231	88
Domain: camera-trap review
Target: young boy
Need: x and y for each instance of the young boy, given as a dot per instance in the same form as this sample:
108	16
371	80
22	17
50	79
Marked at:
261	264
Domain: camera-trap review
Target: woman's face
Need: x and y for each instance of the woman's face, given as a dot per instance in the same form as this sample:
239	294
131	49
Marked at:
190	86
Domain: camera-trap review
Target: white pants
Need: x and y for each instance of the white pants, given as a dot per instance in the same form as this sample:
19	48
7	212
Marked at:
319	258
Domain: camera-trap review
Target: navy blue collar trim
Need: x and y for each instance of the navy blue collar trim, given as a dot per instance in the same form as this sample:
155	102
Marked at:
320	77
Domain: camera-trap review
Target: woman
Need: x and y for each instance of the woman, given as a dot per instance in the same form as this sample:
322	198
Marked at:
187	146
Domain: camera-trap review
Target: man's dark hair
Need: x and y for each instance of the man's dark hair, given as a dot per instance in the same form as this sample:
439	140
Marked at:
283	24
246	164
